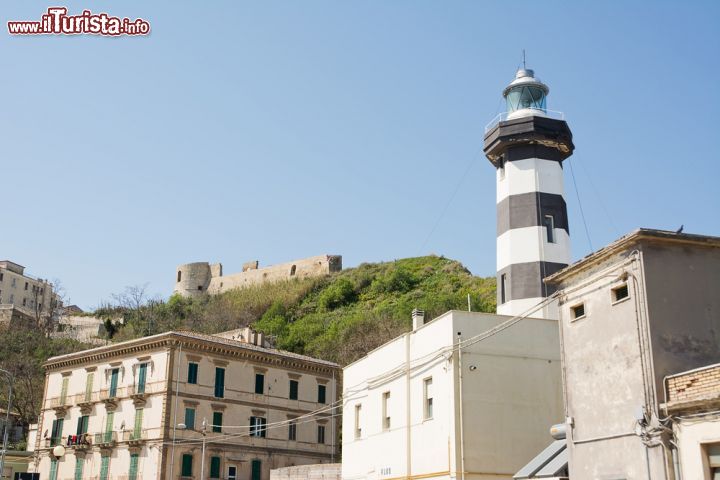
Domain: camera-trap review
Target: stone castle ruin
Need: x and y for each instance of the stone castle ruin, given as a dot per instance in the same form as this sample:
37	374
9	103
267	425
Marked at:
199	278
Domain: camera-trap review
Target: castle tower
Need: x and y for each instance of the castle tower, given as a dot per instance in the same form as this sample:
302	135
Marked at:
527	147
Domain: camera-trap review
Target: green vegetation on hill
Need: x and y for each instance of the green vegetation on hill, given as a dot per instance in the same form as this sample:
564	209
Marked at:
339	317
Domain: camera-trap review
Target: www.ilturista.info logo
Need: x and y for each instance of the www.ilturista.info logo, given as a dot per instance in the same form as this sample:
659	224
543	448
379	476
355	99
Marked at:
57	22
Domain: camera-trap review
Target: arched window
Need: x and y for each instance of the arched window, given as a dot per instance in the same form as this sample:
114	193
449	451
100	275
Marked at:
179	275
292	270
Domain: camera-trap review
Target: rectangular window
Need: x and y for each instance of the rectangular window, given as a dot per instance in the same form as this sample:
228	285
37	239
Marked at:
217	422
192	373
53	469
293	389
428	395
109	423
385	411
26	285
256	470
292	430
549	224
114	382
142	378
219	382
132	474
189	418
79	461
89	386
214	467
56	433
321	434
358	427
82	424
620	293
259	383
187	461
104	467
137	430
503	288
321	394
258	426
578	311
63	390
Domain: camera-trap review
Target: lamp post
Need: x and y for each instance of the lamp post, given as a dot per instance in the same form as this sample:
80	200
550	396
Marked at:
203	432
11	380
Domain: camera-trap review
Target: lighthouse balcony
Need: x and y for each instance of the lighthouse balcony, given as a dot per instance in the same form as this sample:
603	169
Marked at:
524	112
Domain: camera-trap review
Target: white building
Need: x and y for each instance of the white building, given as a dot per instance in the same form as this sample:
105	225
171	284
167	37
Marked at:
420	407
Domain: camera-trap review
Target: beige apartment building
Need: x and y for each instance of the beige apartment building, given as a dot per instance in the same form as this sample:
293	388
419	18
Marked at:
148	409
26	293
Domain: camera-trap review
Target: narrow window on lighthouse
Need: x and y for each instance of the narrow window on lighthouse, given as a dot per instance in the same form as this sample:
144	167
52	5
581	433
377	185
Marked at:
503	288
549	223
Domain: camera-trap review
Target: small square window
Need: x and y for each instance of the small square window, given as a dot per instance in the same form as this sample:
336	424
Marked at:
620	293
578	311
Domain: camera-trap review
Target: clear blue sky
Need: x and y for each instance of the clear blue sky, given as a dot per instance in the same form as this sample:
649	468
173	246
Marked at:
280	130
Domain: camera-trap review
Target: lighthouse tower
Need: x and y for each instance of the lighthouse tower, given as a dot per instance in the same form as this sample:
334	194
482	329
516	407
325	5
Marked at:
527	148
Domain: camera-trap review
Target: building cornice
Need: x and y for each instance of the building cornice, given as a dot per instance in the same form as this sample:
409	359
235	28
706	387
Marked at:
199	344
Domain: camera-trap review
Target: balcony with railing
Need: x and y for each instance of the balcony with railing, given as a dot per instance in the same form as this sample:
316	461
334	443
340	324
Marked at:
59	404
86	399
105	439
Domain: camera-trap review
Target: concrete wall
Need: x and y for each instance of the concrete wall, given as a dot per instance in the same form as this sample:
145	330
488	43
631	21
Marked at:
510	392
330	471
195	279
683	307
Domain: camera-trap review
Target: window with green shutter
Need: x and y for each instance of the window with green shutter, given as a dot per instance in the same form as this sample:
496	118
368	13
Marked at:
214	467
89	386
256	470
82	424
56	432
192	373
259	383
293	389
132	475
64	389
53	469
190	418
142	378
187	461
217	422
114	382
219	382
104	467
109	426
321	393
137	431
79	461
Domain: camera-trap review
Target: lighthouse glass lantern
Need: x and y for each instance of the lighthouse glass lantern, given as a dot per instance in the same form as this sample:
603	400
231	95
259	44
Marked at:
526	95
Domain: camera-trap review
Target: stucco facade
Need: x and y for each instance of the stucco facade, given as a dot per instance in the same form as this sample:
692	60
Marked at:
642	308
419	407
30	295
130	398
193	279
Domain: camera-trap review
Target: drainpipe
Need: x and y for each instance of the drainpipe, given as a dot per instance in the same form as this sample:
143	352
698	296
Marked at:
408	432
460	408
177	389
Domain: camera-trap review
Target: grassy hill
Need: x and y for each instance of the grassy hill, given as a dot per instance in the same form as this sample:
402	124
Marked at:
339	317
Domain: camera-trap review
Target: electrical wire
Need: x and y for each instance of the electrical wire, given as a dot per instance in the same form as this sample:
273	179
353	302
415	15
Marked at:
582	213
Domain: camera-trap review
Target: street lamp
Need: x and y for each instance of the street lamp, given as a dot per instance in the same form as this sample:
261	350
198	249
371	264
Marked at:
203	432
11	380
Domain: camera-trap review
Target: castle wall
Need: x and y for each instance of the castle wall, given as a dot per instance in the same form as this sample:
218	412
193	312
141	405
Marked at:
194	279
304	268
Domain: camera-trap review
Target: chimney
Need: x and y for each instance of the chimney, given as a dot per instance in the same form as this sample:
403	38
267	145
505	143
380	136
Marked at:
418	318
260	337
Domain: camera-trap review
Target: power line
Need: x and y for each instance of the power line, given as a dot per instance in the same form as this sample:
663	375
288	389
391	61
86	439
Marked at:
582	213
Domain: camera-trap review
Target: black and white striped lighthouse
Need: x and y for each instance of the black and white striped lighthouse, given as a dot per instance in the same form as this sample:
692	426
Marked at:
527	147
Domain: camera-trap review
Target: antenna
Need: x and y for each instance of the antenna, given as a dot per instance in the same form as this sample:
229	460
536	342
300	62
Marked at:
524	59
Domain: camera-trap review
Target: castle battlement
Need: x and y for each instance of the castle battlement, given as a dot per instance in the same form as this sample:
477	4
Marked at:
194	279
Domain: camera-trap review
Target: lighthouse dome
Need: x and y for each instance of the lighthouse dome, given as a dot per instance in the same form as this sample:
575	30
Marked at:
526	95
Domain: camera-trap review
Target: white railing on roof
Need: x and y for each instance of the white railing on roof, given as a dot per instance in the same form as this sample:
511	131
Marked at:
501	117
